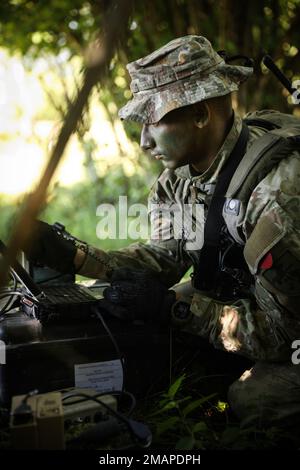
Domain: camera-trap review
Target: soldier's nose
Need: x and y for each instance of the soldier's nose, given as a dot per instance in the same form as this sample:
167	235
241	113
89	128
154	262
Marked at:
147	141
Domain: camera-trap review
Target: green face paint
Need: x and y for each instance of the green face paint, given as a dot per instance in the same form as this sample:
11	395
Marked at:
174	139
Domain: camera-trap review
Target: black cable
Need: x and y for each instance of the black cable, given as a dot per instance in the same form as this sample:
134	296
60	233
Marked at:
270	64
23	414
17	293
4	310
8	292
98	314
140	431
13	294
98	395
61	230
9	303
131	396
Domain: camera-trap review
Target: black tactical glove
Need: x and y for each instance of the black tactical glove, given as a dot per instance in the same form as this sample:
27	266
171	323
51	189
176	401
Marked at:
137	295
51	248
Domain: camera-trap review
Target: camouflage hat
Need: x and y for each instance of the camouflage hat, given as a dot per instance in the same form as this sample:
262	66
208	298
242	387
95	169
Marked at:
185	71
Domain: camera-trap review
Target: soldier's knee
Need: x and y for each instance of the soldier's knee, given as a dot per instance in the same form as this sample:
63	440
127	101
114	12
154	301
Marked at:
266	395
242	398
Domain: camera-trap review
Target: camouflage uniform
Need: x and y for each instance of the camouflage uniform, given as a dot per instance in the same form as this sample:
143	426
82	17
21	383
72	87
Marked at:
186	71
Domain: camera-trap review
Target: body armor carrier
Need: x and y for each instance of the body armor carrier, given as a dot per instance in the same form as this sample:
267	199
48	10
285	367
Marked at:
233	279
222	271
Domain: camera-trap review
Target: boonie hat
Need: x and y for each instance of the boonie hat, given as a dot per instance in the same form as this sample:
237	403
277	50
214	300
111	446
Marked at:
185	71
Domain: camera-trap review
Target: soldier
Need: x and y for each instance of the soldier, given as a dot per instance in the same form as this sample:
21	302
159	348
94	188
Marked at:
241	175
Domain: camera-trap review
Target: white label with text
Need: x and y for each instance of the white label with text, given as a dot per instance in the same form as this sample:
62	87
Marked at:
102	376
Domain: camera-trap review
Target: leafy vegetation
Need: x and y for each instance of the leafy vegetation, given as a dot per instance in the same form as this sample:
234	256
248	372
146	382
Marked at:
36	27
61	30
64	28
184	419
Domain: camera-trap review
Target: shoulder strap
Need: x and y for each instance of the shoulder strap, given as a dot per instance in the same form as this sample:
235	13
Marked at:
240	175
259	122
261	157
204	277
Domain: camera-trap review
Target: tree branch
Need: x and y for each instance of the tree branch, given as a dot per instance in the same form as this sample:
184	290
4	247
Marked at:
100	54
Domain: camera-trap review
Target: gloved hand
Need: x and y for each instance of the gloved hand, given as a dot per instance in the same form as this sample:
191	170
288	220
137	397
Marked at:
137	295
50	248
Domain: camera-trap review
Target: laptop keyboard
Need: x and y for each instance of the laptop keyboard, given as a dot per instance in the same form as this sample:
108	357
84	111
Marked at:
69	293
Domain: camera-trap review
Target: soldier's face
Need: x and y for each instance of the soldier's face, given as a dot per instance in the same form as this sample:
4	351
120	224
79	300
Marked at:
175	139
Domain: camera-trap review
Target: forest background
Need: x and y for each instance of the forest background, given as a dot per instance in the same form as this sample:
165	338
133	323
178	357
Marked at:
43	48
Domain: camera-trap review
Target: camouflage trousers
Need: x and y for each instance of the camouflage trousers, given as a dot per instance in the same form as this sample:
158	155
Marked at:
266	395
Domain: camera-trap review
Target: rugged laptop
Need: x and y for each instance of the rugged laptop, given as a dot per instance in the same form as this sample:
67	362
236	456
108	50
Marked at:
62	303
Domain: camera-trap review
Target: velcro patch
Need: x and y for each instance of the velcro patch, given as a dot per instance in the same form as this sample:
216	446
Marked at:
264	236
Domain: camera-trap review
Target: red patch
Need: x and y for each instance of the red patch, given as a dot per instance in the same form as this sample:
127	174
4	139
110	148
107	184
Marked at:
267	262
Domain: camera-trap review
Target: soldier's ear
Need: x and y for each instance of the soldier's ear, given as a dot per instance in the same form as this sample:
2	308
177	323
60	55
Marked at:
202	115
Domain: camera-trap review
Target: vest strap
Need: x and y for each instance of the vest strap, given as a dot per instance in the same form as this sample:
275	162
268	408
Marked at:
208	267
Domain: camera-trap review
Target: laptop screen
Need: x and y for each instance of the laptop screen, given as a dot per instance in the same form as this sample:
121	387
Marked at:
22	275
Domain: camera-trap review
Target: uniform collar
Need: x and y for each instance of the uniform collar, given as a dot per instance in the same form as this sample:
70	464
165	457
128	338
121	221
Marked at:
211	174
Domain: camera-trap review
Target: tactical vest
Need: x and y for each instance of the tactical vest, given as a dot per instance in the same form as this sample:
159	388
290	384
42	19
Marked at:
226	264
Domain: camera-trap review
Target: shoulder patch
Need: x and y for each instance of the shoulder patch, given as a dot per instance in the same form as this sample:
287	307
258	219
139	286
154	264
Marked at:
264	236
285	273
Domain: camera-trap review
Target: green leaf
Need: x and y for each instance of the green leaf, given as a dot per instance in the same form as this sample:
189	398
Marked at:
167	424
195	404
222	406
163	402
182	400
199	427
175	386
169	406
185	443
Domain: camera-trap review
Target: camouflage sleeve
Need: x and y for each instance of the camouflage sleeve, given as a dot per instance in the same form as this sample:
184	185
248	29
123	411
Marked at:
161	254
263	329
